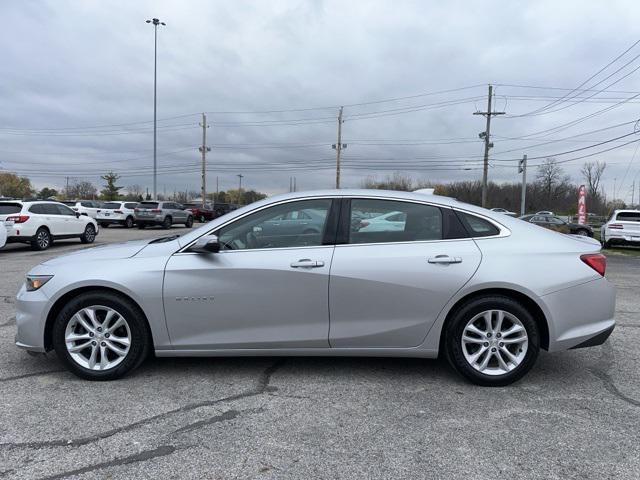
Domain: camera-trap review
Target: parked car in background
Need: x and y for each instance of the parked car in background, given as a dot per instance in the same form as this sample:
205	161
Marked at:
39	223
459	281
391	221
200	213
623	228
559	225
504	211
3	234
117	213
545	212
165	214
84	207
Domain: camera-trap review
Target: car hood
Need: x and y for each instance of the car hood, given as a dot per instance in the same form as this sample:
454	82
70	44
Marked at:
101	252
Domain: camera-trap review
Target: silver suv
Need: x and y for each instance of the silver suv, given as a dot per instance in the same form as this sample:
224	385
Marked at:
161	213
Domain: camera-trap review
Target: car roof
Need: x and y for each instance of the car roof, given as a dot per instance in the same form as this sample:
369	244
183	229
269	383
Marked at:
626	211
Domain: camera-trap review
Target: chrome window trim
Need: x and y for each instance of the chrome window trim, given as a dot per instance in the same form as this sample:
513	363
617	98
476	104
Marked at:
504	231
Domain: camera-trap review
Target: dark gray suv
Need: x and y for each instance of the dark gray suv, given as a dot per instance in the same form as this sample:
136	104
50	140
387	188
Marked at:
162	213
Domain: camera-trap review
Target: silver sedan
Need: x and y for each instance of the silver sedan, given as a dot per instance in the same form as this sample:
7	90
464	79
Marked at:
483	289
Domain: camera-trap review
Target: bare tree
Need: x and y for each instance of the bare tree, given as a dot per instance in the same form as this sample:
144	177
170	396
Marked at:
81	190
592	173
550	175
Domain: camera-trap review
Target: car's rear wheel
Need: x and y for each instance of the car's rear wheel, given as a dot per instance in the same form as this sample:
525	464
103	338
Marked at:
189	222
492	341
101	336
41	240
89	234
166	223
128	223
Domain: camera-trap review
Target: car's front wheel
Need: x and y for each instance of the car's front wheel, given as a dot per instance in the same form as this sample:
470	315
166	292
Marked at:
189	222
89	234
101	336
492	341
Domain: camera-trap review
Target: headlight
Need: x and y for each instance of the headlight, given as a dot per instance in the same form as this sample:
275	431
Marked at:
34	282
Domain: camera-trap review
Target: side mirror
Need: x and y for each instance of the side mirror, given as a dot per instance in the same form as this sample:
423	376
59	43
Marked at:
206	244
77	214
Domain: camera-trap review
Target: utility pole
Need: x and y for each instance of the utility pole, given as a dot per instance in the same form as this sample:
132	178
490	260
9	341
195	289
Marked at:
204	149
522	168
240	177
486	135
155	23
338	147
295	187
66	192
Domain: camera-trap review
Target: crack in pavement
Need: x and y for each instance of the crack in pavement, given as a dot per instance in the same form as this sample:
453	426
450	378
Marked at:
10	322
262	386
145	455
224	417
606	359
33	374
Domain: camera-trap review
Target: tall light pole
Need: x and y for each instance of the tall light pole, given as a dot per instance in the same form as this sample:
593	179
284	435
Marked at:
155	23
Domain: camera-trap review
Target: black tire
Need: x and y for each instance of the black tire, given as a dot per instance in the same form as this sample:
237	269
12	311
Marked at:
583	232
41	240
104	225
128	223
141	226
189	222
202	219
167	222
89	234
453	339
140	335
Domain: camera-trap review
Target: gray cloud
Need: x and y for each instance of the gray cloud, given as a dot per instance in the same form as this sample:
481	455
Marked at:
69	64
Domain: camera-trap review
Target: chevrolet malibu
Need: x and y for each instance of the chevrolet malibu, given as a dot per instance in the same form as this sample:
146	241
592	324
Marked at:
483	289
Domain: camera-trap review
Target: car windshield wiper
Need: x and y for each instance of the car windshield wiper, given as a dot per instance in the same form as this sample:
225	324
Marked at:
164	239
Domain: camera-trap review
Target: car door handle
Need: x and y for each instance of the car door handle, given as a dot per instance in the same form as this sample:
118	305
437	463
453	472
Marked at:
307	263
444	259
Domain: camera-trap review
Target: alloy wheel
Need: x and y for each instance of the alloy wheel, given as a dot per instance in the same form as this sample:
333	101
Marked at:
97	338
494	342
90	233
43	239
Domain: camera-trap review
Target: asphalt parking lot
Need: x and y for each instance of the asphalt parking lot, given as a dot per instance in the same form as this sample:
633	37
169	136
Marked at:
576	415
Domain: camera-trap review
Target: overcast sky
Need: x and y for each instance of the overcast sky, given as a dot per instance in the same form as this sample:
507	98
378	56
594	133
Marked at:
76	93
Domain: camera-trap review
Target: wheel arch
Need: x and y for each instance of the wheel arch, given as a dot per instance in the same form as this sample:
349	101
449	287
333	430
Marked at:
62	301
530	304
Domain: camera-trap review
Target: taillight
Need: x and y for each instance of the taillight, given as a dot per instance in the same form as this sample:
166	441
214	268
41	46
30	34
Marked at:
136	209
616	226
117	211
597	261
156	210
17	218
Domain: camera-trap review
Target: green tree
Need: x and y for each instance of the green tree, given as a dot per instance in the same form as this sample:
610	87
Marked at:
11	185
46	193
111	190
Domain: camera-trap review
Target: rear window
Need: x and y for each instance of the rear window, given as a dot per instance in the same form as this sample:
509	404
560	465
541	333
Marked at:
130	205
111	206
7	208
628	217
476	226
70	204
148	205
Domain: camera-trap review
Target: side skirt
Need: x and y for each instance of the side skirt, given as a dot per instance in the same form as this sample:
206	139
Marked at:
303	352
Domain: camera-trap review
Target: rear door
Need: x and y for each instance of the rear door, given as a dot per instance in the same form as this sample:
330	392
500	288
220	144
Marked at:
387	287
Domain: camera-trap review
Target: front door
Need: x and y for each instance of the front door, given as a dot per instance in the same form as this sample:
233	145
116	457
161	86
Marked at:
389	284
258	291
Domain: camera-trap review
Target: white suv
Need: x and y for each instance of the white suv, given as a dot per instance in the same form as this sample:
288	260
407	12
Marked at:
120	213
90	208
40	223
622	228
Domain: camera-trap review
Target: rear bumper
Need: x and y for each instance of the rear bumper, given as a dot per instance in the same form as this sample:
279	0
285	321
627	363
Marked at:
581	315
111	221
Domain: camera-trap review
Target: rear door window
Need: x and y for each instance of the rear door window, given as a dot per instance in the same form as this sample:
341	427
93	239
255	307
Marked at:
64	210
385	221
111	206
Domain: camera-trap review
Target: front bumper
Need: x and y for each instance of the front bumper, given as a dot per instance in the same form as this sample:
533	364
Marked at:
31	308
